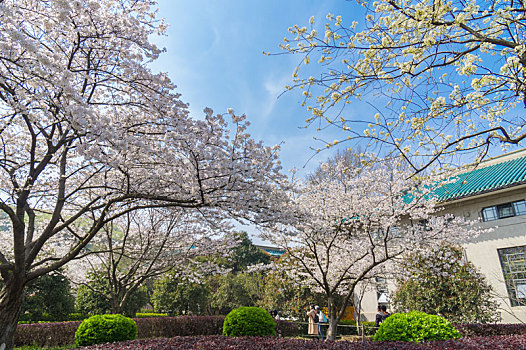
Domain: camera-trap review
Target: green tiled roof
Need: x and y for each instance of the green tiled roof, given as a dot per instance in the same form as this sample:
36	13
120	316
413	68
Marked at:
485	179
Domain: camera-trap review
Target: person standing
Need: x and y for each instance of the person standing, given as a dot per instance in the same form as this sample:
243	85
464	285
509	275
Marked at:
313	329
321	319
380	316
385	313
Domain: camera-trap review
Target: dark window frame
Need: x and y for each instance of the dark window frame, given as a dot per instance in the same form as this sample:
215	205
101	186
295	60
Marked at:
504	210
513	265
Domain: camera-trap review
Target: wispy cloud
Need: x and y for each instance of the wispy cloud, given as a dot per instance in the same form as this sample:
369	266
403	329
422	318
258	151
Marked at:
274	87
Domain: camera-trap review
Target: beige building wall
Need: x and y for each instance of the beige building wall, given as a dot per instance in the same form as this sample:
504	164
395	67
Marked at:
482	250
366	297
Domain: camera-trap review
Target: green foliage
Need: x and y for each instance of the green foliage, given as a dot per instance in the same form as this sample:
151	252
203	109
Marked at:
231	291
105	329
94	298
217	294
249	321
442	283
290	298
415	326
89	301
77	316
245	254
137	300
48	298
175	296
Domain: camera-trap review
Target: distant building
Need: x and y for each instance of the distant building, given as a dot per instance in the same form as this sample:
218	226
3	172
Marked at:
494	191
273	251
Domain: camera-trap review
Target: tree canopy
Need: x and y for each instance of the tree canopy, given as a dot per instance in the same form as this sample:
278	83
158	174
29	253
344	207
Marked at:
439	77
89	133
349	225
245	253
441	282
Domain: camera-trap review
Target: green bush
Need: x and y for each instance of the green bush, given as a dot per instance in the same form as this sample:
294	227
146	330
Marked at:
105	329
250	321
415	326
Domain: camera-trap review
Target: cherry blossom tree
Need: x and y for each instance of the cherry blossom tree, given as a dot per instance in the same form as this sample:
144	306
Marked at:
143	245
446	76
88	134
357	221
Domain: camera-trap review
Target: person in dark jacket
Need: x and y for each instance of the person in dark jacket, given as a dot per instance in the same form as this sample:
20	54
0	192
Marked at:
385	313
380	316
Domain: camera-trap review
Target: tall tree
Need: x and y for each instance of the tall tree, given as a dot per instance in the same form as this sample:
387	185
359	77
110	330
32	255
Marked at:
175	295
144	244
356	221
290	297
89	134
95	296
445	76
244	253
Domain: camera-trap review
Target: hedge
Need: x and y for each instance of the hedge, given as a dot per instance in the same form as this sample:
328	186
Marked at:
169	327
63	333
100	329
46	334
417	327
249	321
488	329
149	314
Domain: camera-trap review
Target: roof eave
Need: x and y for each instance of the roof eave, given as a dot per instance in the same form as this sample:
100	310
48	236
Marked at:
486	193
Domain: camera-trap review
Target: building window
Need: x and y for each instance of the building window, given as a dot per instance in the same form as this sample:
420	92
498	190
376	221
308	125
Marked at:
519	207
382	291
502	211
513	263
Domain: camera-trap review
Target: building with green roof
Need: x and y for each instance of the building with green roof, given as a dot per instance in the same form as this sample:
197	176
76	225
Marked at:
494	193
496	174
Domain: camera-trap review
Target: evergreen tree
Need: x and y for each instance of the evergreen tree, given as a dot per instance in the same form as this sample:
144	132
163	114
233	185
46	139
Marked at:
175	296
48	298
443	283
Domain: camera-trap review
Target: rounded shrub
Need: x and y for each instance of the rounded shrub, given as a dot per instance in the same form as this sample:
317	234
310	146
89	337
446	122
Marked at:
105	329
415	326
251	321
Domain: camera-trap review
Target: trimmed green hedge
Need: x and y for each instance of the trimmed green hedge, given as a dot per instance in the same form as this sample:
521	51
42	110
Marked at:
105	329
415	326
249	321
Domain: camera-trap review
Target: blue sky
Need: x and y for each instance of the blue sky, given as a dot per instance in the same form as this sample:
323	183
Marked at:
214	55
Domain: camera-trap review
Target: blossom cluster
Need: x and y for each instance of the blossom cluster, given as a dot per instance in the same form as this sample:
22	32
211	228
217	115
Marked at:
353	223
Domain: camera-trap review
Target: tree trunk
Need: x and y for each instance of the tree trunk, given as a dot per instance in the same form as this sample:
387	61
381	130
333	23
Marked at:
115	305
333	319
332	329
11	299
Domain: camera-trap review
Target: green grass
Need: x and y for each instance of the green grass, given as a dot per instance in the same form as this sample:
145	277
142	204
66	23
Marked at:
36	347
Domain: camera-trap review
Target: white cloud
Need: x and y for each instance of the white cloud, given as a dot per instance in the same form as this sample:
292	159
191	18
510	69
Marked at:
274	87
